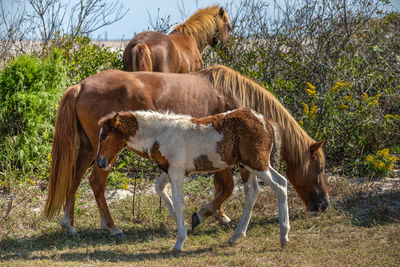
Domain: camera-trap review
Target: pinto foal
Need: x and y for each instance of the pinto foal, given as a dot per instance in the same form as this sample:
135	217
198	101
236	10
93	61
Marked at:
181	144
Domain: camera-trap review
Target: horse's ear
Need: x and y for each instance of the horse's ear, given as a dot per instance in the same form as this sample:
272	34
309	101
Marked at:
314	147
221	12
114	120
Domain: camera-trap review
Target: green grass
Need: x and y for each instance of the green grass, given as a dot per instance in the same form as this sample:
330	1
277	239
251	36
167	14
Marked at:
360	228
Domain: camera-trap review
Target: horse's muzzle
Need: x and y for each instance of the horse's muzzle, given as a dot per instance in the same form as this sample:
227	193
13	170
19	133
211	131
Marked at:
319	204
102	162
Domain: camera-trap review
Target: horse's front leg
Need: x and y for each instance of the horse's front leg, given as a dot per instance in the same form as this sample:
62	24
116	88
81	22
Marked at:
278	184
223	182
161	182
251	189
98	181
176	176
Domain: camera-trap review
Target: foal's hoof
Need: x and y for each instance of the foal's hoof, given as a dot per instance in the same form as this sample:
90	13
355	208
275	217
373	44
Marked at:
119	236
176	251
284	244
231	243
195	220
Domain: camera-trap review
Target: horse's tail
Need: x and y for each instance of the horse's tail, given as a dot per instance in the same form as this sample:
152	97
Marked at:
64	153
277	147
141	58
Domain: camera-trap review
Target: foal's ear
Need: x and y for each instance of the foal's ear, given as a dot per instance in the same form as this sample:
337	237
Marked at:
114	120
221	12
314	148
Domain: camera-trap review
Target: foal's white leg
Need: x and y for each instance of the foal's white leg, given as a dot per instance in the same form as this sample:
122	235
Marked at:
176	176
66	223
251	189
279	186
161	182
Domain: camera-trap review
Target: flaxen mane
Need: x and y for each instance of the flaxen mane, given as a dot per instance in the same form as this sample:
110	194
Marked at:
296	142
202	25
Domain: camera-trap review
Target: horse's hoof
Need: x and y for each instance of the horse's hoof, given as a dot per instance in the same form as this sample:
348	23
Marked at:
195	220
119	236
284	244
176	251
231	243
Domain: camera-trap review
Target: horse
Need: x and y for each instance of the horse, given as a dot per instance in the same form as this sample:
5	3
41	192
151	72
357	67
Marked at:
180	144
180	50
199	94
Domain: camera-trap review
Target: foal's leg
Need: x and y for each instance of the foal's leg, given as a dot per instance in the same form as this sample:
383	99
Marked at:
279	186
251	189
161	182
223	182
98	181
176	176
85	157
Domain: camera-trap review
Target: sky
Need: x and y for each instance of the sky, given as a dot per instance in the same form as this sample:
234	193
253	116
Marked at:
137	17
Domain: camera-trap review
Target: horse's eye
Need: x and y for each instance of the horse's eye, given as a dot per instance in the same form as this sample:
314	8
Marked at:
103	137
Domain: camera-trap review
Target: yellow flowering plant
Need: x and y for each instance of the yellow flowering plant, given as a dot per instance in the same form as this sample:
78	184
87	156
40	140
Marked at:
381	163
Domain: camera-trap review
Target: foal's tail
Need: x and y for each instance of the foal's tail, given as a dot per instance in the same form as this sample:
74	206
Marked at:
64	153
141	58
276	148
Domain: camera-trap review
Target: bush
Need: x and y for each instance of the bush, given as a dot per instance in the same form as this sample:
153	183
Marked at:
29	90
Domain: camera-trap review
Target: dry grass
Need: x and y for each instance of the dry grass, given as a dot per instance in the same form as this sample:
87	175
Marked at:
360	228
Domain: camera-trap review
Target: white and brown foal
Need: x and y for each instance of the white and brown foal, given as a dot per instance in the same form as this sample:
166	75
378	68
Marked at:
181	144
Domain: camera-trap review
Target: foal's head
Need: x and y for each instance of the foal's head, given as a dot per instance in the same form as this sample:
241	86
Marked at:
311	184
223	28
115	130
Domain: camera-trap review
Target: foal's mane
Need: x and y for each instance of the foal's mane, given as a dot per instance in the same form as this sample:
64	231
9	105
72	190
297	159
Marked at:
201	25
296	142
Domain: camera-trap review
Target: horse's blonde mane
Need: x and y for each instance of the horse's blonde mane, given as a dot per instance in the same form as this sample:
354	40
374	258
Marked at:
202	25
296	142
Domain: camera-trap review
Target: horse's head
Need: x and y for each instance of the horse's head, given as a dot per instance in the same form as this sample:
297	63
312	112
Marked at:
223	29
311	184
115	130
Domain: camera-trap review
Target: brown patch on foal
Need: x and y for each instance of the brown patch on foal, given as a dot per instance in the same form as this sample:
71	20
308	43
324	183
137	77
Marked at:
202	163
244	138
156	155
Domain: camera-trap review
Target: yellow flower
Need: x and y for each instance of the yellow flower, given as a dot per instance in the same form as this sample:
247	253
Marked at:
126	187
393	159
49	156
379	164
301	123
369	158
313	110
383	153
344	106
389	167
311	90
31	181
306	108
55	105
373	103
365	95
349	97
339	85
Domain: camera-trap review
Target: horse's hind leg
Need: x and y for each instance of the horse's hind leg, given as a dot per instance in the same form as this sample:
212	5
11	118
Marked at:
251	189
223	182
161	182
85	157
98	181
279	186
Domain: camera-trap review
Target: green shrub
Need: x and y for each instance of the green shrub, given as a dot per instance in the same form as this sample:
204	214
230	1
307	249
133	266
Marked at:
84	58
29	90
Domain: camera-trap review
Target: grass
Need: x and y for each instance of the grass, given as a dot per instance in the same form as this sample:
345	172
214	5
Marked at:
360	228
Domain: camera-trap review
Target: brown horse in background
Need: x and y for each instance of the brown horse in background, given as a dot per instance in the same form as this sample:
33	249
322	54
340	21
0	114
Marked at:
199	94
180	50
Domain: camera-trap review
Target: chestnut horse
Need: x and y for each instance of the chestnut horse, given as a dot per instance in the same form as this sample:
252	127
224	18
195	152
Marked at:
213	90
180	50
180	144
